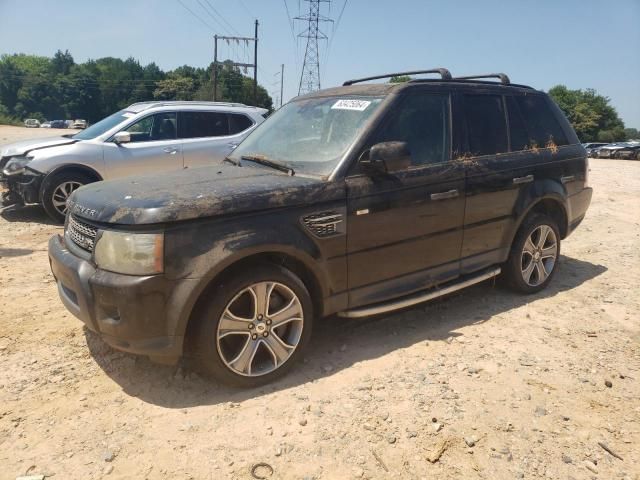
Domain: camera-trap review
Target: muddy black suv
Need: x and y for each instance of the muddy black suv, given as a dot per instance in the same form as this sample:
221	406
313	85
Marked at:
355	201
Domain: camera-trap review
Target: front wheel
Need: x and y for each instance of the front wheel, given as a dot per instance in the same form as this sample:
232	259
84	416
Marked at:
57	189
534	254
254	326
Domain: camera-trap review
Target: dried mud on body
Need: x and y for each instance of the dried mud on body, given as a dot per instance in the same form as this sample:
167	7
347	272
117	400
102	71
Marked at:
482	384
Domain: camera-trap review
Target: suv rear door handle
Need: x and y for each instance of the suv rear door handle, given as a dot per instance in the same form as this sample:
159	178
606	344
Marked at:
519	180
444	195
170	150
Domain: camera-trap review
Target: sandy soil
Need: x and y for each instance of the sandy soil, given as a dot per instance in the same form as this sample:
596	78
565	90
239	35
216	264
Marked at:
497	385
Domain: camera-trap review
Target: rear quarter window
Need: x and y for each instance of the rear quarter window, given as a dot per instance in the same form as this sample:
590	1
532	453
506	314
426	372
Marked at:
238	123
543	127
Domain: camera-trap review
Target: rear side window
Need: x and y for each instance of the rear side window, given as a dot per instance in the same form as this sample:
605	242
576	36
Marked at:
486	124
542	125
202	124
238	123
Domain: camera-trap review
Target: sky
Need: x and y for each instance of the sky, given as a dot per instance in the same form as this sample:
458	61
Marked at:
578	43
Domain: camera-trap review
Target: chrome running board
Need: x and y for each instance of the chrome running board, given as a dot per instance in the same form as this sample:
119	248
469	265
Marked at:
417	298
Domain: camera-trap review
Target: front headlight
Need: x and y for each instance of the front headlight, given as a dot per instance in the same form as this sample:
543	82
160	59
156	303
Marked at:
15	166
130	253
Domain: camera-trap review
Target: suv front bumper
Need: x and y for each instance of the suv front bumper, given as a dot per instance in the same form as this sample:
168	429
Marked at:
20	189
135	314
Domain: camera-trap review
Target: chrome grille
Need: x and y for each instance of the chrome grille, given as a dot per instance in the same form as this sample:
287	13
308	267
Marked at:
82	234
323	224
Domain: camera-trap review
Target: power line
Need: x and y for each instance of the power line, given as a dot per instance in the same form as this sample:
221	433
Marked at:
242	4
196	16
333	34
222	17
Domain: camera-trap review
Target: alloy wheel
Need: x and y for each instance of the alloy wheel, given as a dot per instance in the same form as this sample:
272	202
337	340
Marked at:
61	194
259	329
539	255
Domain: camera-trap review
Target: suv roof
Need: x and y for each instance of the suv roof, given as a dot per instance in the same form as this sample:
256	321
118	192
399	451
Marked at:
352	87
142	106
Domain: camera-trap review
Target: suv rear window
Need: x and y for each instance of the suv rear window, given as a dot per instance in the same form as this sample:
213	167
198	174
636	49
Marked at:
542	125
238	123
202	124
486	124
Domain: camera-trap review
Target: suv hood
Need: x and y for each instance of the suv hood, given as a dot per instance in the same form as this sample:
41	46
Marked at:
195	193
24	147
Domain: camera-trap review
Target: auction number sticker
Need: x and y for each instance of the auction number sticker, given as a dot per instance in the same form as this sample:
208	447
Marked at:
358	105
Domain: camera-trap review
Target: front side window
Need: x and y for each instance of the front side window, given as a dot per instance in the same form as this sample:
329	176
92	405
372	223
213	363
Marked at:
310	135
203	124
422	122
161	126
486	124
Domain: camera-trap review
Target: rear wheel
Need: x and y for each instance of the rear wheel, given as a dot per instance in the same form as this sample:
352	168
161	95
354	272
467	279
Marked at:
254	327
57	189
534	254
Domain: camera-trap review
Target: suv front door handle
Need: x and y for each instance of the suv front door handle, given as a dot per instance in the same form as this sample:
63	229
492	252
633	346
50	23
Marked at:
444	195
519	180
170	150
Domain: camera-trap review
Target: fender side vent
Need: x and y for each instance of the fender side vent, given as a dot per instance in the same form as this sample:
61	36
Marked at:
324	224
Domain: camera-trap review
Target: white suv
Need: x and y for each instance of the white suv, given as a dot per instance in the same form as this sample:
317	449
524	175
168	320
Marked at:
146	137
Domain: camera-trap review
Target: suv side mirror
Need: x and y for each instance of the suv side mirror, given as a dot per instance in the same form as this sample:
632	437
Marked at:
387	157
122	137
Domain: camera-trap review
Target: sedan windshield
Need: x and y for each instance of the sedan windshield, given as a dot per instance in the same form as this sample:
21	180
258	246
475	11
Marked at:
309	135
103	126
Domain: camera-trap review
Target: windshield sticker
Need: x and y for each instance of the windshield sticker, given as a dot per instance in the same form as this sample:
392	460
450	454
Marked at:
358	105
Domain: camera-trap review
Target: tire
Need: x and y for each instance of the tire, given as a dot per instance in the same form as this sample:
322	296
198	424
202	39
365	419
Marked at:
55	188
224	351
527	269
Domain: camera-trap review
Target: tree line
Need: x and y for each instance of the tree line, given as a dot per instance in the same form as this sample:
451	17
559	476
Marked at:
46	88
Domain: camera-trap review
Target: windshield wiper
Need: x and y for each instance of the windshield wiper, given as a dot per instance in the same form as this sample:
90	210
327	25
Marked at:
262	160
232	162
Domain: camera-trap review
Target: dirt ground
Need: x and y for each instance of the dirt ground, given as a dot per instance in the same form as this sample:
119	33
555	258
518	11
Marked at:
485	383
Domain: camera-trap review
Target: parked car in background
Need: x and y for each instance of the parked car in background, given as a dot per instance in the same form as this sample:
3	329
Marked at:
79	124
58	124
608	151
592	147
32	123
629	152
45	125
357	201
146	137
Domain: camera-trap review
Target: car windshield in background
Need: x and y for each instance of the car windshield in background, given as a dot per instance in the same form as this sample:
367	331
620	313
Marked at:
309	135
102	126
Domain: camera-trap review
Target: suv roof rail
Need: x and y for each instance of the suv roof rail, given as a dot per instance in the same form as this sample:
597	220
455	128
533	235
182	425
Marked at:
187	102
504	79
444	73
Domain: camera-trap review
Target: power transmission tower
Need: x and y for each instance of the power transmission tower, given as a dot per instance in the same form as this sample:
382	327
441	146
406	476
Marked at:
253	65
310	77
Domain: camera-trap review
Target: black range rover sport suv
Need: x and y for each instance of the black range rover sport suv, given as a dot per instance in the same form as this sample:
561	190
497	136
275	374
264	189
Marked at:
355	201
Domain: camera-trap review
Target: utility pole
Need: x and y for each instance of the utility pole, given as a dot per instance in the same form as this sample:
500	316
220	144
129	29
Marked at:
310	77
281	82
253	65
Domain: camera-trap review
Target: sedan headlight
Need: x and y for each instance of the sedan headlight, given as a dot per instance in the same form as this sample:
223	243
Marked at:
130	253
15	166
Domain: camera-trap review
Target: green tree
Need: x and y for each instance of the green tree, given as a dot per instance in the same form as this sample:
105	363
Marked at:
61	63
175	88
631	134
399	79
591	115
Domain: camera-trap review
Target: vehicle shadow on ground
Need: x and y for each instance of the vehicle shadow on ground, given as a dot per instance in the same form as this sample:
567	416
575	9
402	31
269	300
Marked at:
28	214
337	343
14	252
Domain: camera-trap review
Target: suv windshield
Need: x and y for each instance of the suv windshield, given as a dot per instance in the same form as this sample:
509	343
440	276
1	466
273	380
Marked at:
103	125
309	135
